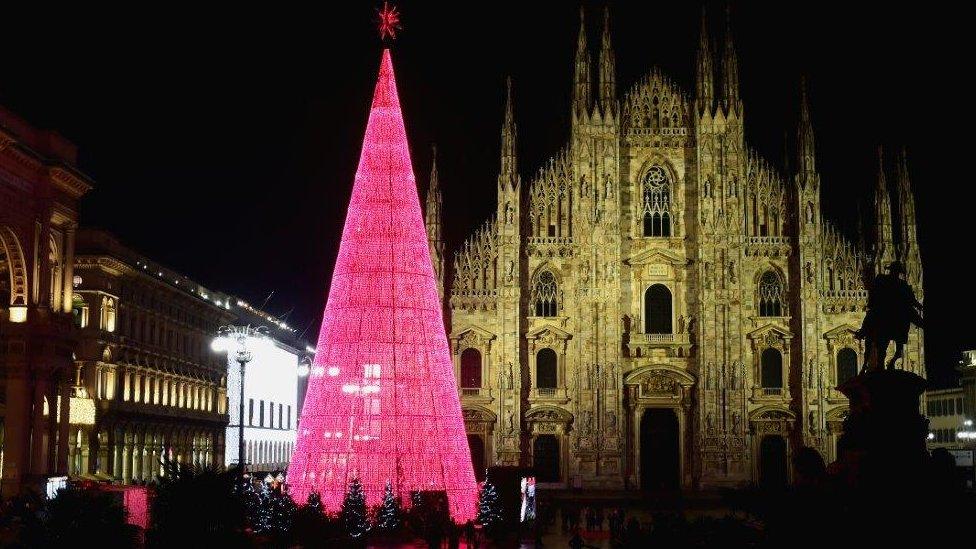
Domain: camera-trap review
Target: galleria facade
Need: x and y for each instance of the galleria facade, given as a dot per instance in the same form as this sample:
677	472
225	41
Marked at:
659	307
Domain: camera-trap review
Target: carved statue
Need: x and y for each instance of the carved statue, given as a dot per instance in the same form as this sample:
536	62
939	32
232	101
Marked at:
587	425
691	324
510	274
511	375
611	423
509	213
809	271
732	271
608	186
681	324
735	422
511	422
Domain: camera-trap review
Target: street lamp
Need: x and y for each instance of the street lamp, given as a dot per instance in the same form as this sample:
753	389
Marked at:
239	340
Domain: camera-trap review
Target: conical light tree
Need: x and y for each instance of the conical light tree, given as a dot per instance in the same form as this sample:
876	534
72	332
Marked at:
382	400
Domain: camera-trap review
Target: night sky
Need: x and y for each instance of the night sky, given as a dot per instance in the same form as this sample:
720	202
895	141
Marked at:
223	143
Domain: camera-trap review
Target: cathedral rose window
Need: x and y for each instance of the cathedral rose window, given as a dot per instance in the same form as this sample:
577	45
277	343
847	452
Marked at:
656	203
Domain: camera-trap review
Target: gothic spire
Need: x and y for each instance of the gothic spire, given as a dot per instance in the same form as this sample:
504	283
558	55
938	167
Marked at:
608	69
883	238
432	210
806	158
730	69
508	175
581	88
906	208
433	220
704	71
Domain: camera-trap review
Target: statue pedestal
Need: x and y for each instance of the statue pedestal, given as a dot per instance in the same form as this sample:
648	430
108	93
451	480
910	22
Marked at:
883	445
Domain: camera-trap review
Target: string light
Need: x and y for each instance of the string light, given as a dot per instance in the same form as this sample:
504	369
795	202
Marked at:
390	387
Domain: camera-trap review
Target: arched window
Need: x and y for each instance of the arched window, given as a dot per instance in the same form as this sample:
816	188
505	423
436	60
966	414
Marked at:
657	310
771	369
544	294
771	302
656	203
545	369
846	365
471	369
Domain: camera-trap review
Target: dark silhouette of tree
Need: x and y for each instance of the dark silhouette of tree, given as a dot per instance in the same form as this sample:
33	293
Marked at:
197	507
355	516
82	514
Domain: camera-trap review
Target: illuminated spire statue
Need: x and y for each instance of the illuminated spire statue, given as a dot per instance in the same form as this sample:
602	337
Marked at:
382	400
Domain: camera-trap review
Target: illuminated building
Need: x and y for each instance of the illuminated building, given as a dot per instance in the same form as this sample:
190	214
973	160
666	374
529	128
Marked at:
271	393
382	402
144	357
659	306
40	187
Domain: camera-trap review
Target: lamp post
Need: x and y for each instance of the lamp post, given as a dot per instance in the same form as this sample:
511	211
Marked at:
237	339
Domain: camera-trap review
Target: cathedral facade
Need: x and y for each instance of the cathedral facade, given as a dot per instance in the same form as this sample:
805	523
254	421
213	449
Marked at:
659	307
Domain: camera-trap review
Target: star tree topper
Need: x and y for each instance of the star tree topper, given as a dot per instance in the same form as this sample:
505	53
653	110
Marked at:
389	21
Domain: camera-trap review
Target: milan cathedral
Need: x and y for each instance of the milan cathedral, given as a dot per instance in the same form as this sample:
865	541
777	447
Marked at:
659	307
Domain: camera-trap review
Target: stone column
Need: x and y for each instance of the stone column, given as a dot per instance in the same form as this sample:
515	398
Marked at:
69	264
39	459
16	456
64	426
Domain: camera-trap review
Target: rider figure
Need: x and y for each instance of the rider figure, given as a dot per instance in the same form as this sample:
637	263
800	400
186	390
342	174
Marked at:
892	309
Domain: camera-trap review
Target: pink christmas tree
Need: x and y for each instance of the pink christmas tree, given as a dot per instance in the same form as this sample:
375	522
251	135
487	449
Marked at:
382	402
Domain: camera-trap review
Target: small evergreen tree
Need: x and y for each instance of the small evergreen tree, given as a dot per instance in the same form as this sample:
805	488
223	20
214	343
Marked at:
489	506
355	517
281	513
314	502
261	517
388	518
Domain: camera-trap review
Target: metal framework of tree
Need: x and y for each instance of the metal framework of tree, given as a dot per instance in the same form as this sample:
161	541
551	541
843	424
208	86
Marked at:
382	401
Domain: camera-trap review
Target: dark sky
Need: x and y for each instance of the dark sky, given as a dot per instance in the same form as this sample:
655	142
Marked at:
223	142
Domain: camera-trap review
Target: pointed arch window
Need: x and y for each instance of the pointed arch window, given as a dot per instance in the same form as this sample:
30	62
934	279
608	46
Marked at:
771	295
656	203
545	292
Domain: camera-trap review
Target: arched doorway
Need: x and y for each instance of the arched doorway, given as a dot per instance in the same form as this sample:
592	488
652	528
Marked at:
477	448
545	458
772	462
659	453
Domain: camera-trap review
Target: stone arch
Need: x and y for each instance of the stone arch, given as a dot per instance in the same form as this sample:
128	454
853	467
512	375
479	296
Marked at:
17	269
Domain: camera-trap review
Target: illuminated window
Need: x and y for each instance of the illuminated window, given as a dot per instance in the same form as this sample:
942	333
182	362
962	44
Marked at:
656	203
